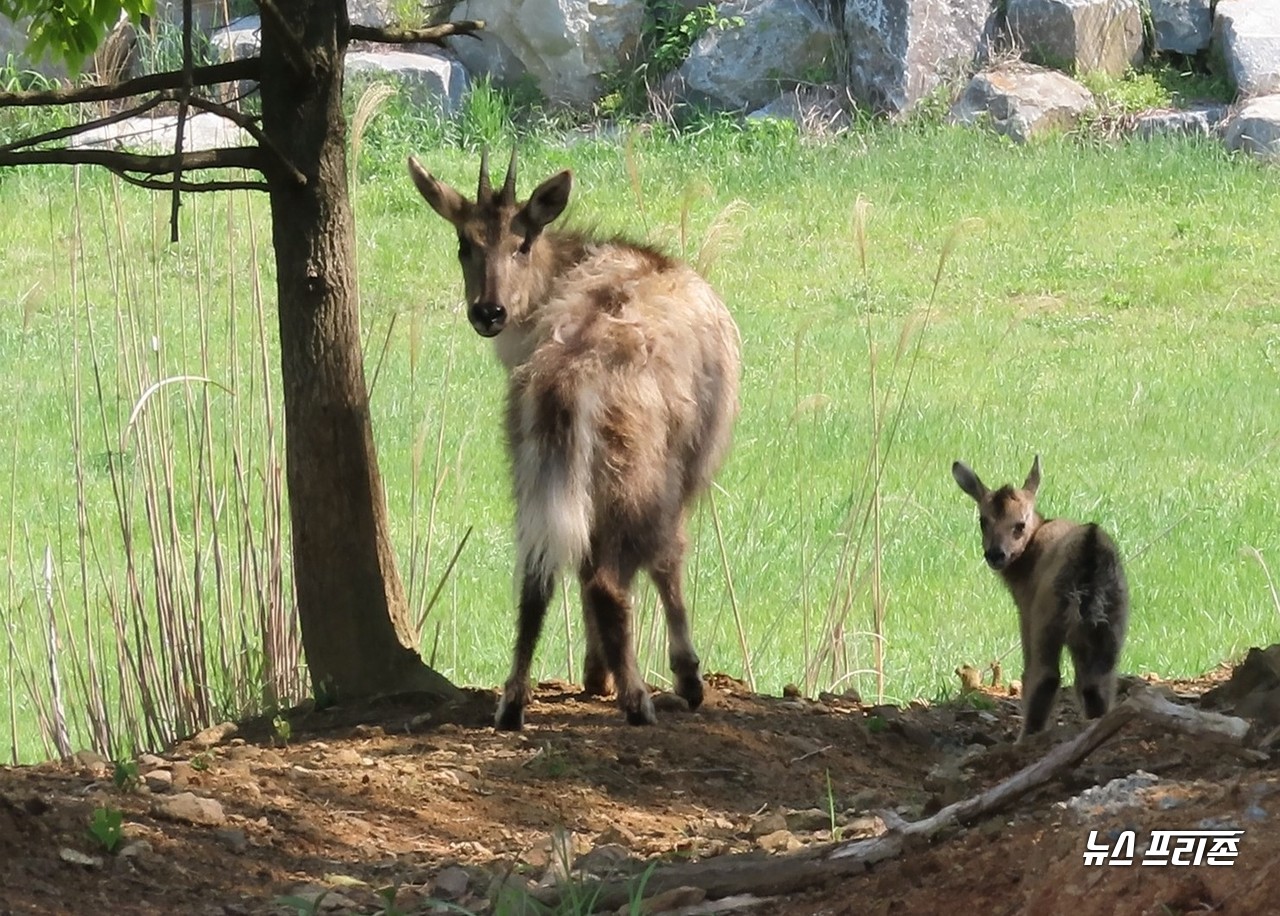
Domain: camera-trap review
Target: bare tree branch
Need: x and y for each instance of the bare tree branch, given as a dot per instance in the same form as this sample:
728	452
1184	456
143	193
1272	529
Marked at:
433	34
63	133
246	122
235	157
249	125
153	184
231	72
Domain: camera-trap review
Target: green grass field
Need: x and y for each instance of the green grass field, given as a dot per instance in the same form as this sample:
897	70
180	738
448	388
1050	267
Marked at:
1115	308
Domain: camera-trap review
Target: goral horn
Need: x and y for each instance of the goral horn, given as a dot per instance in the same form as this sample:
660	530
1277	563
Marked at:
484	191
508	194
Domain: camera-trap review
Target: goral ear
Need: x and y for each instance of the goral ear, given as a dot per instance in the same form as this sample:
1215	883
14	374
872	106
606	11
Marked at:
1033	478
547	202
443	199
968	481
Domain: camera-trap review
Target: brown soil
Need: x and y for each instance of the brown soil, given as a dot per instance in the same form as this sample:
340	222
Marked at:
443	807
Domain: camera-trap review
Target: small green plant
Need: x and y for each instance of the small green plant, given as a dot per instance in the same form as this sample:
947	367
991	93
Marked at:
25	121
877	724
975	699
160	47
836	832
408	14
106	827
388	896
14	78
932	109
1131	93
202	762
550	761
635	902
302	905
1185	86
674	34
768	134
1157	86
487	116
125	775
282	730
826	71
670	32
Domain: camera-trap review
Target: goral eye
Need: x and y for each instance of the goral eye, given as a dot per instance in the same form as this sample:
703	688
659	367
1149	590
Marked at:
982	523
464	249
1018	528
525	245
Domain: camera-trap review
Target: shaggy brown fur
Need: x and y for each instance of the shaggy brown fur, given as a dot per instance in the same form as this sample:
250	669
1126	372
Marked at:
624	367
1070	588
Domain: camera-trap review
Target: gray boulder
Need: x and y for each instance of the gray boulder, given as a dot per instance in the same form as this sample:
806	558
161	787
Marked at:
210	15
1195	121
373	13
565	46
206	15
1255	128
778	45
1184	26
1246	39
816	110
159	135
239	39
900	50
1022	101
433	79
1078	36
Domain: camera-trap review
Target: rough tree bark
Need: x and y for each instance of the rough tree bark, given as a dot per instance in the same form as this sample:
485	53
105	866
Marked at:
351	601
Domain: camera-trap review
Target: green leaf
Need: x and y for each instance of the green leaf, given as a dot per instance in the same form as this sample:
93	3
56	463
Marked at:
70	30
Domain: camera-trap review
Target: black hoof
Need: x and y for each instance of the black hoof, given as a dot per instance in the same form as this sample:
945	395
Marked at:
641	712
597	685
690	688
510	717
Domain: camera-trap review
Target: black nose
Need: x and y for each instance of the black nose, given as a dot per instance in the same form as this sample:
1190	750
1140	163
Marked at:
995	557
488	318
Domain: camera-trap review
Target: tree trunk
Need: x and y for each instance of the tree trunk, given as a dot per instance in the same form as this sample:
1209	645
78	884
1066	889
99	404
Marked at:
351	602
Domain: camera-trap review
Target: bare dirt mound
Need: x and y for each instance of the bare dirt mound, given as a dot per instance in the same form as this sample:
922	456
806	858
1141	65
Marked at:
379	804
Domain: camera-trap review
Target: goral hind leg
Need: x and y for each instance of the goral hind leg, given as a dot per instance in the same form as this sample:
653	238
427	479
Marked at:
596	679
535	594
685	665
604	597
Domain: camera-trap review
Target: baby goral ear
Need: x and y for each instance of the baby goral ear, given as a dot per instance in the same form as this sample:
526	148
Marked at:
1033	478
442	198
968	481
